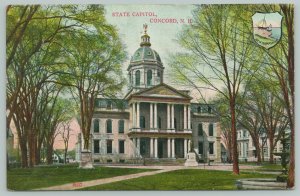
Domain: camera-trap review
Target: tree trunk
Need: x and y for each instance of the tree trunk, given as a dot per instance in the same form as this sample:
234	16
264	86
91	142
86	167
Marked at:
234	139
291	173
38	156
32	149
49	154
271	150
258	153
24	158
65	156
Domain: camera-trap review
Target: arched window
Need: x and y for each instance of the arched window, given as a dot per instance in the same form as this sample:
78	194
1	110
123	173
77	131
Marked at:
211	129
200	129
96	126
121	126
109	126
158	77
149	77
142	122
129	78
137	78
159	122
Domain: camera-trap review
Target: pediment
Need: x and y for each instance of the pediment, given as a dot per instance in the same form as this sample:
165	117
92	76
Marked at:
162	90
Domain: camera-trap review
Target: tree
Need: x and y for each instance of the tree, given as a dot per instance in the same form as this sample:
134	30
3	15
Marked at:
35	36
65	129
220	47
93	67
57	112
282	64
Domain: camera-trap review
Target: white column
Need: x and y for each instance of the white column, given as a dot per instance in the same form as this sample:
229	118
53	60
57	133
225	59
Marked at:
151	147
184	117
138	145
242	149
172	116
169	148
134	142
168	116
173	148
133	115
151	115
189	117
155	147
189	145
138	115
155	115
185	148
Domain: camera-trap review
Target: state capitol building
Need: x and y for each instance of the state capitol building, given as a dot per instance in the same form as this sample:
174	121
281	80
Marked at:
154	121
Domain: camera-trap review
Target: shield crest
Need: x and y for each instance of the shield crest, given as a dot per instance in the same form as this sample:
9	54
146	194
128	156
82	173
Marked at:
267	29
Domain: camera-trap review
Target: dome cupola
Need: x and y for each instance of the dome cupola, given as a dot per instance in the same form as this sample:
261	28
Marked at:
145	69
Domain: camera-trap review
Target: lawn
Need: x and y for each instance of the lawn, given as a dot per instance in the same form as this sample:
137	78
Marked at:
32	178
188	179
266	166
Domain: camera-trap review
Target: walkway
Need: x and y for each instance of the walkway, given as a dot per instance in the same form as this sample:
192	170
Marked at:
80	185
162	169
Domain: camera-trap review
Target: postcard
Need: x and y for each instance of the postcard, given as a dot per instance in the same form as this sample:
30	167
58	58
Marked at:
150	97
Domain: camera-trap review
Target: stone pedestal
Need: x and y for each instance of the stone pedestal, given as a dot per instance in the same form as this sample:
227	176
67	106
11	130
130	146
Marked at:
86	161
191	160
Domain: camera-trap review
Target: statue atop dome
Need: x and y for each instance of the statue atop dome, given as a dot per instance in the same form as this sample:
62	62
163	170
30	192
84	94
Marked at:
145	37
145	26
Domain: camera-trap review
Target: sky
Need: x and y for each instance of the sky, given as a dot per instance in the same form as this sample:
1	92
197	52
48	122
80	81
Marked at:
162	35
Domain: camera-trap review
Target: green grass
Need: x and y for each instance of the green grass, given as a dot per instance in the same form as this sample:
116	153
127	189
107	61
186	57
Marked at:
266	166
32	178
188	179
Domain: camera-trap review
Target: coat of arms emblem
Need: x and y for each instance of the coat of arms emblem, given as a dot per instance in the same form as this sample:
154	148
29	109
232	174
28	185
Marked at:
267	29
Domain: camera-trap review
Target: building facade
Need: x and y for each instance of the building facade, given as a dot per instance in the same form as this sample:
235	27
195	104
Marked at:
247	151
154	120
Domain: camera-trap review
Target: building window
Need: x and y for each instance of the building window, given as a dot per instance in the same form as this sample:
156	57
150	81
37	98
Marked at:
109	126
245	133
121	126
149	77
159	122
211	129
211	148
137	77
108	146
200	129
142	122
158	76
200	147
96	126
109	105
121	146
199	109
96	146
209	109
130	78
175	124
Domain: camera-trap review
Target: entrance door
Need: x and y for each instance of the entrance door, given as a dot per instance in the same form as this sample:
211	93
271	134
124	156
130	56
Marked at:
160	148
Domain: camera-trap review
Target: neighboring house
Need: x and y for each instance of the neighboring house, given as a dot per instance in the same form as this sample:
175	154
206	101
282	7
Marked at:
247	150
154	120
57	158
